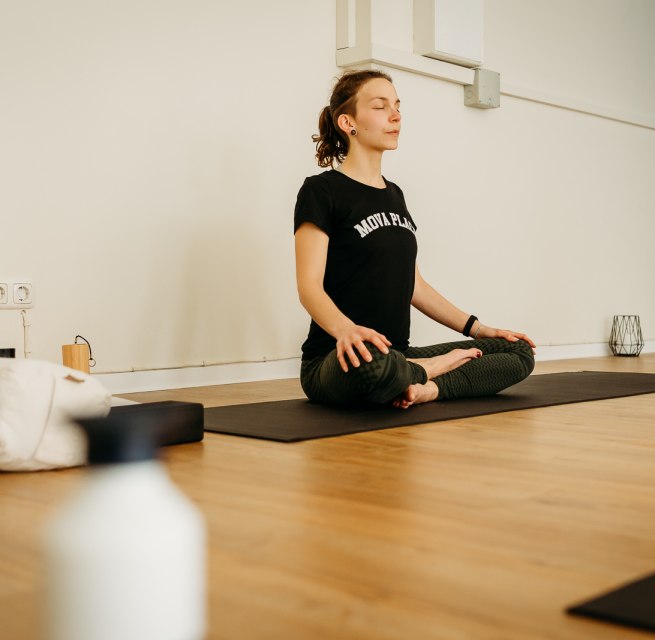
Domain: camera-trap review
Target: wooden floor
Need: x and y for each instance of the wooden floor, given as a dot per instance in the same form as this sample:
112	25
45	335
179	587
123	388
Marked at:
484	528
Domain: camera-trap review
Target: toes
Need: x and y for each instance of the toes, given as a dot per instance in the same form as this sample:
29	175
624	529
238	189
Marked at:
401	404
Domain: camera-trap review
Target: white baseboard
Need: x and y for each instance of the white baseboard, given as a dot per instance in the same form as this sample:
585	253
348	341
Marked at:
161	379
569	351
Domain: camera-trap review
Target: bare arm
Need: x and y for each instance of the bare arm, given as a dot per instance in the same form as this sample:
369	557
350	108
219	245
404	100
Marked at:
311	257
430	302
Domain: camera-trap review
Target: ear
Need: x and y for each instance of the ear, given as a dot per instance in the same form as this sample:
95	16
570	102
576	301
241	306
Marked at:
346	123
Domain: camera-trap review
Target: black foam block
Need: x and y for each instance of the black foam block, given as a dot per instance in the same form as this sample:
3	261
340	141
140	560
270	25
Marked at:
179	422
632	604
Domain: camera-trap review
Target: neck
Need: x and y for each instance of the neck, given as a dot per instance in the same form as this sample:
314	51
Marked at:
366	168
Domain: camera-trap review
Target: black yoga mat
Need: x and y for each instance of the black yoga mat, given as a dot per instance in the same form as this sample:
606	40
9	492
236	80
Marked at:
294	420
632	604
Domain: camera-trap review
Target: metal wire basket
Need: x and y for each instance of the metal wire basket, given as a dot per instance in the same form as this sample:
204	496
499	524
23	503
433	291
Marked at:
626	338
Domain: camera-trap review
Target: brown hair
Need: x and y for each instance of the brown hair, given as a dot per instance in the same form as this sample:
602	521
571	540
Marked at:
331	142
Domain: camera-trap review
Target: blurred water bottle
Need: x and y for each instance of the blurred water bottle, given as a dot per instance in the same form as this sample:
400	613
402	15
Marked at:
125	559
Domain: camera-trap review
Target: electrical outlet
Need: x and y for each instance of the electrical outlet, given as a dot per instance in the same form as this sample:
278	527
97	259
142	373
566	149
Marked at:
23	293
16	293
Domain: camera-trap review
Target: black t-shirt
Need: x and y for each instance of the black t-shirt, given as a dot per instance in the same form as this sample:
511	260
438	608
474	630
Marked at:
371	257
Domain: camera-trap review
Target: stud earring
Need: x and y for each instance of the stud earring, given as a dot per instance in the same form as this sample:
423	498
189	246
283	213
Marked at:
353	132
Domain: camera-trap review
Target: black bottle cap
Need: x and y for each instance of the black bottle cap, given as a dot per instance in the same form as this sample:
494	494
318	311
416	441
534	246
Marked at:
120	438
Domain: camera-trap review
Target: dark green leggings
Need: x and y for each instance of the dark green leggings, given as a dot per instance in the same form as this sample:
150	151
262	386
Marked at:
380	381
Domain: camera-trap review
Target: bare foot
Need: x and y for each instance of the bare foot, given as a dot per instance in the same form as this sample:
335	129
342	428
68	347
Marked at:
417	394
439	365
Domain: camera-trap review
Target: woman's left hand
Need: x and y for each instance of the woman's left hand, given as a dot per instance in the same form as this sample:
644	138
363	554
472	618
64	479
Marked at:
511	336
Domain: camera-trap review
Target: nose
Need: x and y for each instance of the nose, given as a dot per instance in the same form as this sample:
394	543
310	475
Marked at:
395	115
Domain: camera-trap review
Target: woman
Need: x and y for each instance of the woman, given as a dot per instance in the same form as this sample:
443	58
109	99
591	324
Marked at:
357	274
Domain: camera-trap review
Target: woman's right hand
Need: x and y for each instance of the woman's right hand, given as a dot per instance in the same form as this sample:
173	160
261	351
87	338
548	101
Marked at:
350	342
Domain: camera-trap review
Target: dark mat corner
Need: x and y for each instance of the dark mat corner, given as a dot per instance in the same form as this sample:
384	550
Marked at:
632	605
296	420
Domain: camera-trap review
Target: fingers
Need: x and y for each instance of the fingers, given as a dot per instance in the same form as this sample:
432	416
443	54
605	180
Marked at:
341	359
349	353
522	336
515	336
378	339
351	346
528	340
381	343
363	351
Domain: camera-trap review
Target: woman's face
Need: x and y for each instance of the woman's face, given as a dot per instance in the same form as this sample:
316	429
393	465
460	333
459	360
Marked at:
378	116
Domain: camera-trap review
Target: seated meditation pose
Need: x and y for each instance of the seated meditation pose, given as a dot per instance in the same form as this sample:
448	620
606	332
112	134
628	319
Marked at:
358	278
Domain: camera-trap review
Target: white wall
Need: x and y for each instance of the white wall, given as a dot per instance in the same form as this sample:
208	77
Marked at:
152	151
598	52
151	154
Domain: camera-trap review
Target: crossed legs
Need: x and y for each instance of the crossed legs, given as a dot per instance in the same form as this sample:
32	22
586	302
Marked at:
420	374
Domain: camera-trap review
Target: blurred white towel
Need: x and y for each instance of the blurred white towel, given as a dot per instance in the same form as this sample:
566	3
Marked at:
37	399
